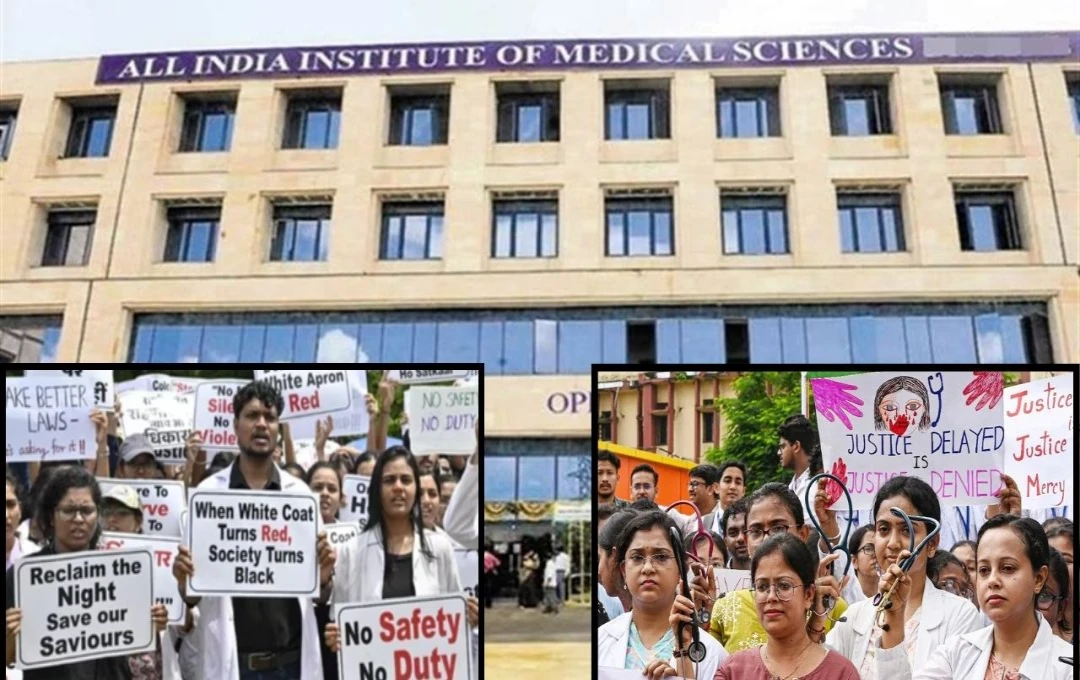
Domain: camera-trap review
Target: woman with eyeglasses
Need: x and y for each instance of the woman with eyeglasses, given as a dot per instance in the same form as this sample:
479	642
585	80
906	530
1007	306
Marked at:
1061	535
68	517
771	510
783	572
1052	599
948	573
645	638
921	617
1020	645
864	564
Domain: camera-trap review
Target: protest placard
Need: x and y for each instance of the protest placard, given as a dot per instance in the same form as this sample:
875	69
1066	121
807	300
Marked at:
163	548
468	562
730	580
407	638
166	418
611	673
253	543
103	383
442	419
341	533
83	606
49	419
214	413
353	421
421	377
943	427
310	393
162	502
356	500
1039	432
159	382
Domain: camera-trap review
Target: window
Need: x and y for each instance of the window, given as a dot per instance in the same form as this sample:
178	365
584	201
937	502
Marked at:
7	130
748	112
754	225
412	230
858	110
312	121
737	341
970	108
525	228
419	119
708	415
605	426
208	123
192	234
29	339
987	221
639	226
660	430
91	131
637	111
641	342
301	233
527	115
870	223
67	242
1073	86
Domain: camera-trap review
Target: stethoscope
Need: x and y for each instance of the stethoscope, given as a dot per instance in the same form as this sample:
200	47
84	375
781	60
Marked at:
701	533
883	601
696	651
840	548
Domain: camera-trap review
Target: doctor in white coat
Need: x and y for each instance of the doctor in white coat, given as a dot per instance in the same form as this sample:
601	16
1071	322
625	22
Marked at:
222	623
1013	555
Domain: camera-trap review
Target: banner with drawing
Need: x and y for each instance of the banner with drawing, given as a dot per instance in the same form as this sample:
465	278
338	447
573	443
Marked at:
1040	453
945	427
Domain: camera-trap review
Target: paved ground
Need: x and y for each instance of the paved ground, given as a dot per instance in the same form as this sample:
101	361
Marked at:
537	660
505	622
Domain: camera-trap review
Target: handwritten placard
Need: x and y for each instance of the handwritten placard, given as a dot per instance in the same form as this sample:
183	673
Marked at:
166	418
49	419
102	379
442	419
730	580
1040	452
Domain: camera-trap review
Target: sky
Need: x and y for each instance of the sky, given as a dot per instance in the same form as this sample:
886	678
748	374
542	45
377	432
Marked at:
32	30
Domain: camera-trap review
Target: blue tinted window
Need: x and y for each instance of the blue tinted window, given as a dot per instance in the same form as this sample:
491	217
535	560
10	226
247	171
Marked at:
574	478
458	342
1012	340
305	344
877	340
952	339
371	342
547	338
988	339
827	341
518	343
177	343
142	345
337	344
252	342
536	480
100	132
765	344
614	333
424	342
279	344
793	339
529	119
216	132
397	342
579	346
500	479
221	344
917	335
50	340
703	340
668	345
857	116
491	347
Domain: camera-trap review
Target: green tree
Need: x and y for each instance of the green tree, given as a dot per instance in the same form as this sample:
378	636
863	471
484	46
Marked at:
762	401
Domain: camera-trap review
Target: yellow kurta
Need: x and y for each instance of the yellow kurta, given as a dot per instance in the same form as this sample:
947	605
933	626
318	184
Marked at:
736	625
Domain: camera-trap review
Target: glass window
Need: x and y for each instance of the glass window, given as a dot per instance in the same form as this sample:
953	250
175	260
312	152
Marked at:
221	344
337	343
371	343
7	130
192	234
301	233
754	225
639	226
547	350
987	221
970	109
67	240
207	125
614	338
524	228
458	342
748	112
29	339
858	110
637	114
575	478
765	344
580	347
917	337
91	131
397	343
424	341
793	336
419	120
528	117
870	223
500	479
952	339
412	231
988	339
702	340
1073	86
828	341
536	478
312	123
491	347
518	344
877	340
280	341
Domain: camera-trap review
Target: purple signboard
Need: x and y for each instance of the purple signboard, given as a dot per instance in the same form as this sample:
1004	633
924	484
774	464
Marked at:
558	55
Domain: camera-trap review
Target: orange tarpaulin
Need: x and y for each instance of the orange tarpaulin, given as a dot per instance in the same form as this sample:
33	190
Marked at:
674	473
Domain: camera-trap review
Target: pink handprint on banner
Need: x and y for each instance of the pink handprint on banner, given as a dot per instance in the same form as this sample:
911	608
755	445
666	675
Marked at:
833	490
987	387
832	400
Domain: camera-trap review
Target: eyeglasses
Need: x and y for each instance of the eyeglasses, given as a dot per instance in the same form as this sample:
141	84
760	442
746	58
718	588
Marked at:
660	560
1047	598
867	550
695	484
951	585
783	589
756	534
87	511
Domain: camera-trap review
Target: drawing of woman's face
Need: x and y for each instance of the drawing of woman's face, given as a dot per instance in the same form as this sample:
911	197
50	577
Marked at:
901	411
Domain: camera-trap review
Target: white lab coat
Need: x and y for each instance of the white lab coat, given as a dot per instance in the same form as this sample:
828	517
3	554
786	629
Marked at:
965	657
462	517
614	636
361	563
944	616
215	634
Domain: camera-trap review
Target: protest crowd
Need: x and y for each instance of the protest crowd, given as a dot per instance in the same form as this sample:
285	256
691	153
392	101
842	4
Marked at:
186	529
786	580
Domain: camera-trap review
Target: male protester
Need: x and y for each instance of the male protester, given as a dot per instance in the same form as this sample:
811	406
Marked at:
257	638
607	478
732	525
644	483
121	510
796	449
137	459
732	485
562	569
704	487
